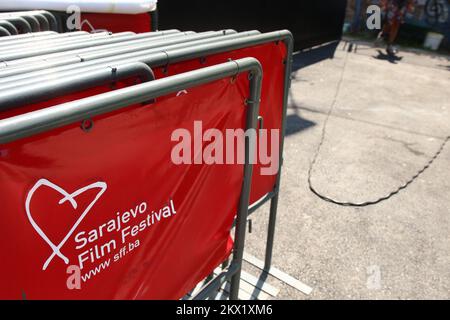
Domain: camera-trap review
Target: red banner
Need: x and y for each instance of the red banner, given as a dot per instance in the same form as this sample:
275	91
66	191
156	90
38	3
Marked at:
272	57
112	22
106	214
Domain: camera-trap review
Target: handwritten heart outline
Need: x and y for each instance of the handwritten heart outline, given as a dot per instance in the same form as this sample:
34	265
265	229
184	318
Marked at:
67	197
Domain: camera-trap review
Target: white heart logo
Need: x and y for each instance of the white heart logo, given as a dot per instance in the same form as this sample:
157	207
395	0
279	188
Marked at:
66	197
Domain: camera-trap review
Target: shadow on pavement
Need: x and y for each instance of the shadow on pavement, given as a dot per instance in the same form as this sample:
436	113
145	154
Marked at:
303	59
295	124
387	57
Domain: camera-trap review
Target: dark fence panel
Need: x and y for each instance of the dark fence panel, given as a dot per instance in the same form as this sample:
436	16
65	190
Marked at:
313	22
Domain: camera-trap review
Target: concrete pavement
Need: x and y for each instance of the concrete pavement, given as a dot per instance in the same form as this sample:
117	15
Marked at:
389	118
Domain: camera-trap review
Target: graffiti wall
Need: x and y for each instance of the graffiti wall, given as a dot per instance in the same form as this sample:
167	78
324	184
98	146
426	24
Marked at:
431	15
427	15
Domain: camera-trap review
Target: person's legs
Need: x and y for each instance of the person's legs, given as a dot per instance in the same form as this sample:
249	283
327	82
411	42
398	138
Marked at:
394	27
393	31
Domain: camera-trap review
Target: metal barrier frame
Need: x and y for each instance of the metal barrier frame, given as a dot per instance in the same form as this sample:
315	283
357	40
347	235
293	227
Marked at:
46	20
34	22
9	26
29	37
57	87
4	32
29	124
54	42
164	58
92	59
95	52
91	43
22	25
75	62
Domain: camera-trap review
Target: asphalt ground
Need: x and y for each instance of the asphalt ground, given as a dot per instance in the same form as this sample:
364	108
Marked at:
388	119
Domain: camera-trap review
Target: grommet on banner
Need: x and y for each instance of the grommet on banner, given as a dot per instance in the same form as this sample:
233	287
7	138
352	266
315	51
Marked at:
202	60
165	70
87	125
261	122
250	101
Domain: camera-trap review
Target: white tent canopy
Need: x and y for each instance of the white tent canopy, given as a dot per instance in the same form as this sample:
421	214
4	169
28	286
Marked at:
97	6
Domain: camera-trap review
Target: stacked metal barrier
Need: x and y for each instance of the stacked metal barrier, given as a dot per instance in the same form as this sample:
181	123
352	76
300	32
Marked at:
26	22
87	124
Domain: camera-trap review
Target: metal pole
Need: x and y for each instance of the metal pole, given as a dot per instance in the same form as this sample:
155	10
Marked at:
83	62
164	56
31	45
31	19
250	143
4	32
49	23
91	43
289	42
9	26
53	23
28	37
32	123
20	23
37	20
47	90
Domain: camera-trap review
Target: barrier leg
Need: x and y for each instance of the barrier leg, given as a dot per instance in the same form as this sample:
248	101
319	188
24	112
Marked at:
271	232
274	202
252	104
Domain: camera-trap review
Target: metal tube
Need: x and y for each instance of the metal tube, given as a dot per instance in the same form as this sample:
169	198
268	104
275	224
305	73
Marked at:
50	22
55	43
41	36
44	25
116	50
76	52
255	206
26	36
9	26
32	123
53	23
92	43
4	32
47	90
22	25
152	57
289	42
51	42
34	23
241	220
216	283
